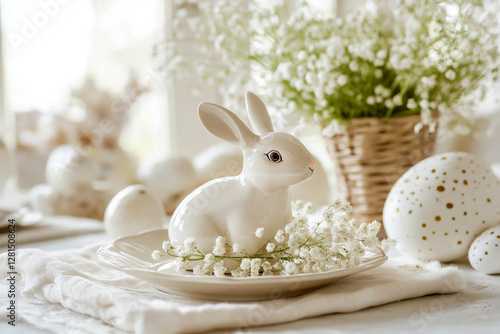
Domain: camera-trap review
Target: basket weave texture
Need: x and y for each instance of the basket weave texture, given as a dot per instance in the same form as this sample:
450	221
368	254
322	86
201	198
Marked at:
371	155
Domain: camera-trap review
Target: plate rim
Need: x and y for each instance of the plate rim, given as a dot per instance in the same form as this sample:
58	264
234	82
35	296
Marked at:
378	259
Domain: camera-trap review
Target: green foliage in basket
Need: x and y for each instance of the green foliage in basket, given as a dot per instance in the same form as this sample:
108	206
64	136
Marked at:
403	58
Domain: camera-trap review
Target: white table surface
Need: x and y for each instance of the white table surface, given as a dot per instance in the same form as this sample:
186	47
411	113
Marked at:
475	310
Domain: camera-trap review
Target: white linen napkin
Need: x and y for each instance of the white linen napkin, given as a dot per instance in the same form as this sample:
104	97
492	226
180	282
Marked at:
72	292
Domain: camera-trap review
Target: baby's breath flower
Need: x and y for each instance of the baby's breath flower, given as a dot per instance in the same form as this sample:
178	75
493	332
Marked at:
270	247
353	66
342	80
237	248
166	245
255	266
424	104
450	75
398	101
297	206
238	272
290	268
259	233
180	265
280	236
382	54
389	104
220	246
190	245
328	213
267	268
156	255
209	259
219	270
245	264
411	104
199	270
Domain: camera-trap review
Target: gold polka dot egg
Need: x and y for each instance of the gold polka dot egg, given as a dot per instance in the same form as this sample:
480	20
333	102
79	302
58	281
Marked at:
484	253
437	208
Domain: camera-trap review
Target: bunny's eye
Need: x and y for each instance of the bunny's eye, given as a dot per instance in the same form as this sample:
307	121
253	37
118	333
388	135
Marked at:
274	156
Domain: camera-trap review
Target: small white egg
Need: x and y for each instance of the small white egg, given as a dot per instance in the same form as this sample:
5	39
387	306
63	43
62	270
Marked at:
437	208
69	167
131	211
169	180
218	161
484	253
118	168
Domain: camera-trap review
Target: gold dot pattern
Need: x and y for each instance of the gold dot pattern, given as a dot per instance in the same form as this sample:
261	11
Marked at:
438	205
485	252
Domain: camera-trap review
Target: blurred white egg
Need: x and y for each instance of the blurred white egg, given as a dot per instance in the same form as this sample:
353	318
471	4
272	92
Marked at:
437	208
218	161
69	167
484	253
131	211
170	180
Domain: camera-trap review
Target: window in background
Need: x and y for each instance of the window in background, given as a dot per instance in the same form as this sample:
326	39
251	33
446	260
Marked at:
81	72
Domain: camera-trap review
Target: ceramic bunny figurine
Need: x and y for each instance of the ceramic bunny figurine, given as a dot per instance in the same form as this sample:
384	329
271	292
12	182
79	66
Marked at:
235	206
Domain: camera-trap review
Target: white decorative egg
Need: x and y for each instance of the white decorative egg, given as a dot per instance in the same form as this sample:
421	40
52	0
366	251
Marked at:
131	211
170	180
437	208
69	167
218	161
484	253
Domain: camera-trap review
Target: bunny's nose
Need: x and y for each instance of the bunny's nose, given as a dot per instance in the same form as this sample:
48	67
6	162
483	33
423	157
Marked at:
312	166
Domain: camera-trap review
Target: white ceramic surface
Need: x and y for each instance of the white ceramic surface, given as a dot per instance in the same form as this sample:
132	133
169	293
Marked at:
132	255
236	206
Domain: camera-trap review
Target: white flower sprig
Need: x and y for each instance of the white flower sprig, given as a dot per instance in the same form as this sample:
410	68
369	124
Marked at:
303	246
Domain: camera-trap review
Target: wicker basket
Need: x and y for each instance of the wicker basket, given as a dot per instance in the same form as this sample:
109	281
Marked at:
370	156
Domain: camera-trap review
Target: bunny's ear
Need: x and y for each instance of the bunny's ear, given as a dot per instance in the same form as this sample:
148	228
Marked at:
225	125
258	114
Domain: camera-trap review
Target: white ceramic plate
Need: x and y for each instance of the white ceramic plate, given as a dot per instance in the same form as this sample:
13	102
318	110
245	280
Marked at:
133	255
